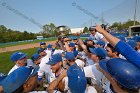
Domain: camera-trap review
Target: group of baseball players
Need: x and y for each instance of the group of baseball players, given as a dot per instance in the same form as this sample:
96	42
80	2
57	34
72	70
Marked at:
100	64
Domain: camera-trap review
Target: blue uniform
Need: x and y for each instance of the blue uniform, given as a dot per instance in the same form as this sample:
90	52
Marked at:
129	53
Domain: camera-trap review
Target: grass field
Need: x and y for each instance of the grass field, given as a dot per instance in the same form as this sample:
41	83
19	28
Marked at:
6	64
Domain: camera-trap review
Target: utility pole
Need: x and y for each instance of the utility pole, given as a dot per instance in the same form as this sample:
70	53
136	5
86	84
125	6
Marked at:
135	13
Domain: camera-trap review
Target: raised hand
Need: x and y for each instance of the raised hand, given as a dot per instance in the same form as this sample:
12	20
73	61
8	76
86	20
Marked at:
99	29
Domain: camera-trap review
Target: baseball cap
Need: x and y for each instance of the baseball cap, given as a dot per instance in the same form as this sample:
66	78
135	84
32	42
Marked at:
15	79
76	79
69	56
17	56
124	72
39	50
75	38
49	46
71	44
35	56
101	42
101	52
91	28
55	59
42	43
102	64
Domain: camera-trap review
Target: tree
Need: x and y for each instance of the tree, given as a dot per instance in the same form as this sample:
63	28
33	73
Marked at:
3	35
49	28
124	25
56	33
85	30
8	35
129	23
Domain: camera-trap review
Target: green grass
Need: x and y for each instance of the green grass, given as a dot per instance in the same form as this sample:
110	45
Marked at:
22	43
6	64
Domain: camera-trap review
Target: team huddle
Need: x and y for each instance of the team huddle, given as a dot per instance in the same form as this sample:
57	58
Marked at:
100	64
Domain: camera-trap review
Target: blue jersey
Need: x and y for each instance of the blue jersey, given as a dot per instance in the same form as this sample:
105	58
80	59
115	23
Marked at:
129	53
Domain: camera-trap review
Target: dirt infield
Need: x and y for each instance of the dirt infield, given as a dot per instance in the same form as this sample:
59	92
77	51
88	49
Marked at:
21	47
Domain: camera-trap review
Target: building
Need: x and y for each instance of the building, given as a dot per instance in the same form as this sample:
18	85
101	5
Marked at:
75	30
39	37
134	30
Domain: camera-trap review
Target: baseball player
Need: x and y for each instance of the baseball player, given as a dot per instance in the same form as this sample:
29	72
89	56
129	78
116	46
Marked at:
116	70
20	60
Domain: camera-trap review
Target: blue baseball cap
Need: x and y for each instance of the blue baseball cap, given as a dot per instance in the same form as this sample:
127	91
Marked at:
17	56
55	59
35	56
42	43
124	72
39	50
76	79
15	79
132	43
102	64
75	38
101	52
71	44
101	42
49	46
69	55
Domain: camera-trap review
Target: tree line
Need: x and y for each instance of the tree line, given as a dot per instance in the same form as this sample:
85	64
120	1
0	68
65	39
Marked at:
8	35
124	25
49	30
118	25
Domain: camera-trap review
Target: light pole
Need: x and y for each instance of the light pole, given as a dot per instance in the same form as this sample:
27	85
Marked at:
135	13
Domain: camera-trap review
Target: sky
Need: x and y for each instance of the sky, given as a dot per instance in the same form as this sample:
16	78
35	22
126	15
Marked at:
31	15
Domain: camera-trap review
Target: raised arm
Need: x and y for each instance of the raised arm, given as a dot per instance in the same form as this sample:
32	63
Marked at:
124	49
82	44
67	45
111	39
